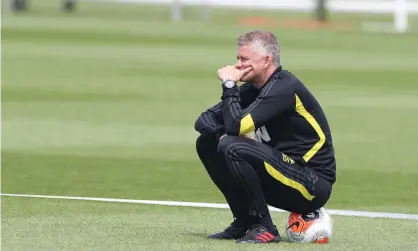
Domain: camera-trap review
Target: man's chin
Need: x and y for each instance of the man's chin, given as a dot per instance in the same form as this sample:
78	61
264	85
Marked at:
247	79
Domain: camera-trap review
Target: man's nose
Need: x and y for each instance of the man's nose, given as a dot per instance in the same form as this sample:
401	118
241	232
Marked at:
239	64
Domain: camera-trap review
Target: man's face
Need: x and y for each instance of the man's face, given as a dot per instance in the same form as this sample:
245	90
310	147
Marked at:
248	58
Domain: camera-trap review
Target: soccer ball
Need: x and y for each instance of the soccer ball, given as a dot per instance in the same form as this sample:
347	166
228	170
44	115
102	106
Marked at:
313	227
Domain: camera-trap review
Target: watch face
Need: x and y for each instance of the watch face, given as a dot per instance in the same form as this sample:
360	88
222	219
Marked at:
229	84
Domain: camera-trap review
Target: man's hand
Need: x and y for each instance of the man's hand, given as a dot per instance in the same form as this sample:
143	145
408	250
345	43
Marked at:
231	72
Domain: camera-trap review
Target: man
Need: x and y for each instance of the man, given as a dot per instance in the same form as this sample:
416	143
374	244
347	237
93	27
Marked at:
290	165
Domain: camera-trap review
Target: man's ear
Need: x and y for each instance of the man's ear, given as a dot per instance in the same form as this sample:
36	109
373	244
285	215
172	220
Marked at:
267	61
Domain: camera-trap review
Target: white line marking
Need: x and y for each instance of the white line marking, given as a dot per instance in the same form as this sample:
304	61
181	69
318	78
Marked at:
214	205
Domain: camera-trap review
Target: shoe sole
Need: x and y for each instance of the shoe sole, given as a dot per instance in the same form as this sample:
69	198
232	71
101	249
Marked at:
275	240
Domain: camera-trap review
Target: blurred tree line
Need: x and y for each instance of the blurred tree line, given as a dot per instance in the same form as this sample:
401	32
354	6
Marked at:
69	5
23	5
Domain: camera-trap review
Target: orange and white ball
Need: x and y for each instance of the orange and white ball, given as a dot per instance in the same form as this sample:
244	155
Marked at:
314	227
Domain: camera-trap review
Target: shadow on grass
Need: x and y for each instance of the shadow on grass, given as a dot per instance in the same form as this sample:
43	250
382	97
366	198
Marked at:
204	236
199	235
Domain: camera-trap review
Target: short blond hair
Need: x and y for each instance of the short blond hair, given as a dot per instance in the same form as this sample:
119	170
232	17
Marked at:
263	43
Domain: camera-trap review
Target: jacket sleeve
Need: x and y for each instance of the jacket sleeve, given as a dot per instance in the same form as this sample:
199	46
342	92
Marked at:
210	121
273	100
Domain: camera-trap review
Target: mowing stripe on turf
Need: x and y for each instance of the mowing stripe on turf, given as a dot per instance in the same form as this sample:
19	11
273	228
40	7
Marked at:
214	205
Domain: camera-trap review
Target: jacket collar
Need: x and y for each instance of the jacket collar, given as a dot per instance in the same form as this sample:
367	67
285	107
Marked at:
276	72
273	76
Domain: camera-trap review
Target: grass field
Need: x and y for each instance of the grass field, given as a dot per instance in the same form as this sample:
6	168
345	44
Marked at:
102	104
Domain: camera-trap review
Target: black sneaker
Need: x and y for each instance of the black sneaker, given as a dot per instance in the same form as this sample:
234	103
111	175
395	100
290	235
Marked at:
233	232
260	234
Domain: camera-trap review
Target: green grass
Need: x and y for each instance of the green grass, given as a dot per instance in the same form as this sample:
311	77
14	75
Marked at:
102	103
38	224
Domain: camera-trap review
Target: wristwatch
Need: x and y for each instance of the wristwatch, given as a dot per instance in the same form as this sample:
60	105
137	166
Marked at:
228	83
